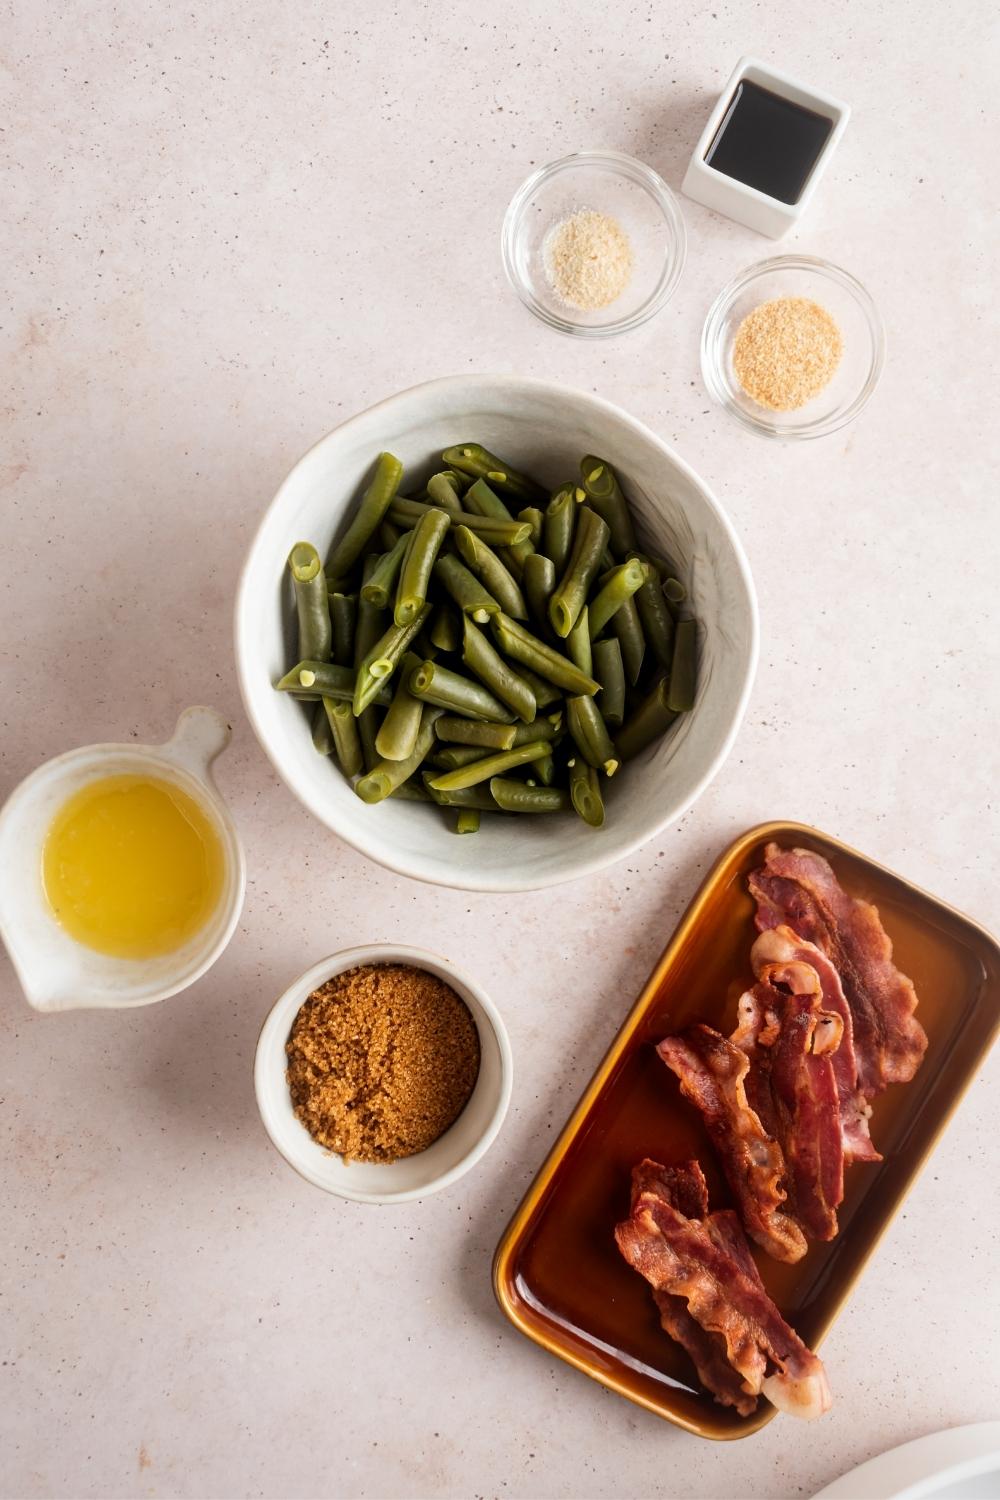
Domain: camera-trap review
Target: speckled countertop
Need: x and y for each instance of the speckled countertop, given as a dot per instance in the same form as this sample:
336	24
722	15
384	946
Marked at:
227	227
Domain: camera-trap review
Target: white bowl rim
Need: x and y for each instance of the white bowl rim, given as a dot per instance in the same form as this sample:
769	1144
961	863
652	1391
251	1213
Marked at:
372	848
279	1018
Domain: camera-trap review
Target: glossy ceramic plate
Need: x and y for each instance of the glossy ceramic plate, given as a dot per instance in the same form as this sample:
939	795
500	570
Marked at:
558	1274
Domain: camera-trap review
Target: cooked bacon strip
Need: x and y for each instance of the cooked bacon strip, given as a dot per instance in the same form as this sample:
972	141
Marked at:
679	1256
802	1040
797	888
781	945
712	1073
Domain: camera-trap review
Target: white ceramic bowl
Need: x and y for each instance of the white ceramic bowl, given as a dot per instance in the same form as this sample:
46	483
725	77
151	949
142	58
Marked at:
546	429
451	1155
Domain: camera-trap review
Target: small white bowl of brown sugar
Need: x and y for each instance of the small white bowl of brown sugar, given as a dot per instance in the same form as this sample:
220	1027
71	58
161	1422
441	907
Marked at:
793	347
383	1074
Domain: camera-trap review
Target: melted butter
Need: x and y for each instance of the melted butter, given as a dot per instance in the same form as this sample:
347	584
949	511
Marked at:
132	866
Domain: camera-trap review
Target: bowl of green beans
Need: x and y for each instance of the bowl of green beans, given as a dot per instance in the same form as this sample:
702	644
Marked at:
495	634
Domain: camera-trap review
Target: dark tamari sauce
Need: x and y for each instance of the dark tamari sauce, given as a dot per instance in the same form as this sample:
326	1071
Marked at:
768	142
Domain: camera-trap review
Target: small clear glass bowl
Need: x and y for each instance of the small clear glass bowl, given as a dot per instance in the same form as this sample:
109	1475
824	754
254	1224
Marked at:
851	308
609	183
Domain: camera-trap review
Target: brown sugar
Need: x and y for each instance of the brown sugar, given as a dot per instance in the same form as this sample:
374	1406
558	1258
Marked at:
381	1060
785	352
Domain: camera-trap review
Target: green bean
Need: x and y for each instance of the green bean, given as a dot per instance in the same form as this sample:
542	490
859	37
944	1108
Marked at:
538	579
445	629
384	657
369	623
647	723
501	533
311	602
604	494
684	667
514	796
545	769
343	609
674	591
401	725
497	579
472	458
467	820
368	727
482	735
346	739
535	520
491	669
433	683
585	792
627	629
378	588
610	673
442	491
542	729
617	587
478	771
518	643
465	589
388	535
560	523
387	775
411	791
478	797
312	680
368	517
590	734
481	499
657	621
546	693
453	756
584	561
414	578
322	736
578	647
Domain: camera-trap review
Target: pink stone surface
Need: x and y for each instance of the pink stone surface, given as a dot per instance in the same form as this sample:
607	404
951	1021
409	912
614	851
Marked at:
226	228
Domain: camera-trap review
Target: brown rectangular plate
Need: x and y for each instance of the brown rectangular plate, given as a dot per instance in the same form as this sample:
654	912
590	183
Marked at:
558	1274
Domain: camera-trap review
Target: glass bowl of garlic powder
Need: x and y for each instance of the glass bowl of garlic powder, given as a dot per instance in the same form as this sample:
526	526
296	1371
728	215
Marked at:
594	243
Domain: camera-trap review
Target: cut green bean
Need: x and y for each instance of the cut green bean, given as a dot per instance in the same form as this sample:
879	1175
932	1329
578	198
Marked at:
445	631
383	659
343	612
485	502
379	587
414	578
368	517
346	739
492	573
407	513
684	667
472	458
542	729
491	669
584	561
519	644
442	491
398	734
322	735
605	495
559	526
388	535
453	756
617	587
535	520
627	629
465	589
312	680
369	620
610	673
478	797
411	791
545	769
590	734
477	732
648	722
546	693
538	579
657	621
674	591
515	796
311	602
578	647
467	820
478	771
368	728
387	775
449	690
585	792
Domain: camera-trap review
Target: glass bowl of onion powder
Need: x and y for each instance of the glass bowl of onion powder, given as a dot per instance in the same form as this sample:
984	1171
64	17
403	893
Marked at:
793	347
594	243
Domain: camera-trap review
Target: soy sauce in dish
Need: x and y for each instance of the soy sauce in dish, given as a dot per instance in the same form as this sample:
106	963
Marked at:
768	142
